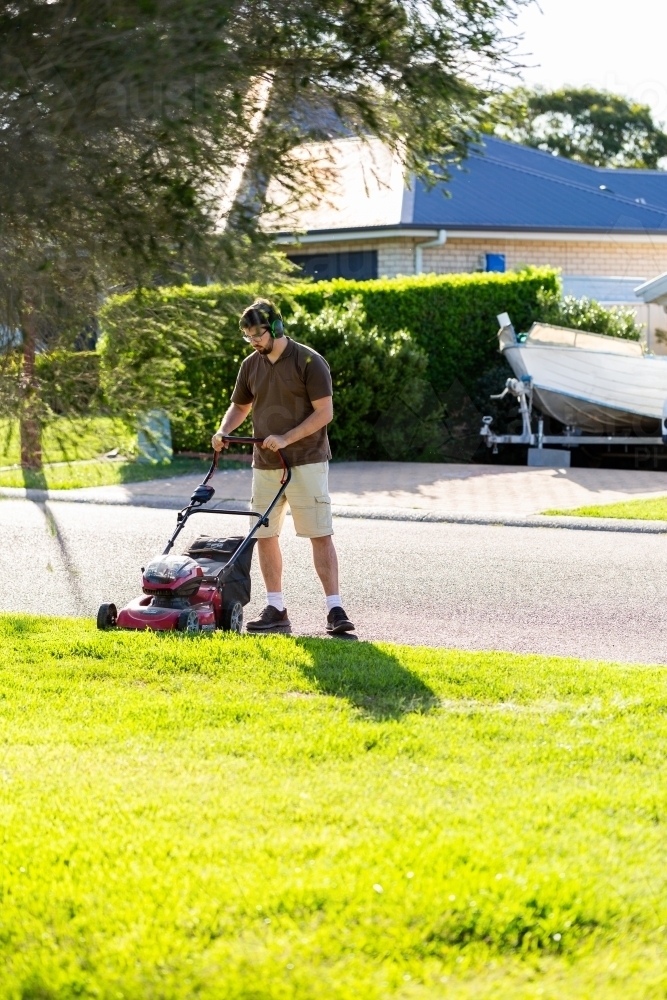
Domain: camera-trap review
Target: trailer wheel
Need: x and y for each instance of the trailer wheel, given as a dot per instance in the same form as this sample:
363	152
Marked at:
188	621
232	617
107	616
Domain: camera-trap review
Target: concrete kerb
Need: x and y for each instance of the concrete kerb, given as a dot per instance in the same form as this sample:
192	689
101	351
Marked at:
501	520
364	513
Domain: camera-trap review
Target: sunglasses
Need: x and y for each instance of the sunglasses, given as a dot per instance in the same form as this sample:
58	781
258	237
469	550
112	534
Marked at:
250	337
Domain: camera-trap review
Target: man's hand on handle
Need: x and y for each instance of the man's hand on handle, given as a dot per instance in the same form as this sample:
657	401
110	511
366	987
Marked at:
218	441
275	441
232	419
322	415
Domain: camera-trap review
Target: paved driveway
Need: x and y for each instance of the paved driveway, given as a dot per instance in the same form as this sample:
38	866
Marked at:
457	490
580	593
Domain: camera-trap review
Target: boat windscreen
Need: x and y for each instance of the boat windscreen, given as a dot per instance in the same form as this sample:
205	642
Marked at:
560	336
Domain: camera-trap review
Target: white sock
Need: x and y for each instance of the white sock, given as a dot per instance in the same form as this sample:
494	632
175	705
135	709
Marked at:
275	599
333	602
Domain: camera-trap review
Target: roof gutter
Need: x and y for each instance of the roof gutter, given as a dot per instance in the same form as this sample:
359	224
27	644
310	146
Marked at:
372	233
343	235
560	235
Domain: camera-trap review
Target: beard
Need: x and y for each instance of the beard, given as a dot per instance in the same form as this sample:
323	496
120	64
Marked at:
263	350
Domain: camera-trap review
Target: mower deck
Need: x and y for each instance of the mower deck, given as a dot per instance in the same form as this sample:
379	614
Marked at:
183	616
206	587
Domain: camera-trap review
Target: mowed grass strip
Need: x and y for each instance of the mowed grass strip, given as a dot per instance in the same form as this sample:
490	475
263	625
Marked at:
654	509
66	439
76	475
71	450
287	818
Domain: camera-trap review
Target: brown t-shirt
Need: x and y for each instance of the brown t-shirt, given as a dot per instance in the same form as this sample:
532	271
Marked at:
281	394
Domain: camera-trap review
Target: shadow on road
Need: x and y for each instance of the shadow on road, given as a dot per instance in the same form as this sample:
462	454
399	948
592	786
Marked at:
71	573
369	678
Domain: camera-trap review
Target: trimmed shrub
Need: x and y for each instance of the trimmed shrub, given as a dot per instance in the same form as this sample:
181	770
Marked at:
369	372
430	340
451	316
180	348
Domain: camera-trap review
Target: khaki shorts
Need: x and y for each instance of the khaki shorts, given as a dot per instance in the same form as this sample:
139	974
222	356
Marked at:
307	496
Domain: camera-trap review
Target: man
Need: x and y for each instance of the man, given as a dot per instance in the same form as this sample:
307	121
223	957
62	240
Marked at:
288	388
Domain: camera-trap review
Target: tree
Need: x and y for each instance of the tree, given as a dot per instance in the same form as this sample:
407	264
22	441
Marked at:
587	125
137	138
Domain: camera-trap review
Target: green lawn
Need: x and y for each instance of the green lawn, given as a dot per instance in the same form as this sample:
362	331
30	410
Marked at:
78	444
65	440
263	819
654	509
101	473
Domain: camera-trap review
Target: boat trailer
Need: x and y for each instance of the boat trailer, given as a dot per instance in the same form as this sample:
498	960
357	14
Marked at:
538	454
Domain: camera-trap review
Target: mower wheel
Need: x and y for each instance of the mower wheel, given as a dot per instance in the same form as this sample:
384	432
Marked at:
188	621
107	616
232	617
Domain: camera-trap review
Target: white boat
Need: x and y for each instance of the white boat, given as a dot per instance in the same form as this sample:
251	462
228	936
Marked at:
588	381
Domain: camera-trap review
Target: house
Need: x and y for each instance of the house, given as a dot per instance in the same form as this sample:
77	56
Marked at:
506	206
653	294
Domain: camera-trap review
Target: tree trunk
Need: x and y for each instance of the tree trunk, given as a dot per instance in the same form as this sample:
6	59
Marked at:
29	422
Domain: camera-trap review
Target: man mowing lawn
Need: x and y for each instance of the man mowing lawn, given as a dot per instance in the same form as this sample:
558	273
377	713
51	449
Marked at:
288	388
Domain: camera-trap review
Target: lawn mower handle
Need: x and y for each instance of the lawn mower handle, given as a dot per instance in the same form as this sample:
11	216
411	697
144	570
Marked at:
252	440
243	440
194	507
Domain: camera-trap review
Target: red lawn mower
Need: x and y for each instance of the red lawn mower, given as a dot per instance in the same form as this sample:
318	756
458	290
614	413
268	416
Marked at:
206	587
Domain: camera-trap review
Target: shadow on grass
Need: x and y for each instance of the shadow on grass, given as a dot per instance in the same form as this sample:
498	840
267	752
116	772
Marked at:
136	472
368	677
64	475
133	472
33	479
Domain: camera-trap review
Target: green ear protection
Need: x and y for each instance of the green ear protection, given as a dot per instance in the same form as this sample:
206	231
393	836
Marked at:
277	328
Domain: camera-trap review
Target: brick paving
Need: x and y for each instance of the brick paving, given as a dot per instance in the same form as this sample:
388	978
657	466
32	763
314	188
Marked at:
456	490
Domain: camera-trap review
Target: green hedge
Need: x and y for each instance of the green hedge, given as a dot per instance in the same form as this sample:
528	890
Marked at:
452	316
181	348
177	348
369	372
587	314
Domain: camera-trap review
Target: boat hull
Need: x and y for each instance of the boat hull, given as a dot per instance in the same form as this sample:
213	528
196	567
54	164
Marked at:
594	391
594	418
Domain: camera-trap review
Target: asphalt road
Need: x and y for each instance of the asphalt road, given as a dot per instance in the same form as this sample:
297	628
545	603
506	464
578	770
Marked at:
541	590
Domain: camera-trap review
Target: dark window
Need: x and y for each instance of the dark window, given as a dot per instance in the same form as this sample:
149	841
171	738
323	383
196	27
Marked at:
321	266
360	265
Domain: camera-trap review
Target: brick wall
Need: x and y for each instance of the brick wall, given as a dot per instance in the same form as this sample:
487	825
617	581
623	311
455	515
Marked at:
395	257
613	259
617	259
